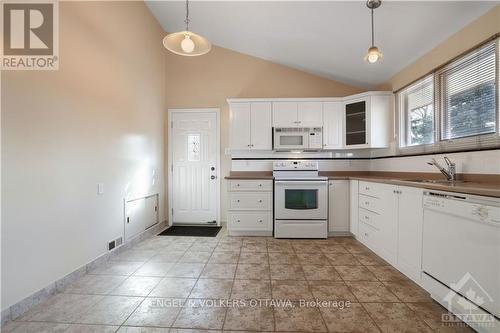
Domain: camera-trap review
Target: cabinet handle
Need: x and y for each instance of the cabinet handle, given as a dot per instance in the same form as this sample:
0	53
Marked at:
260	185
260	221
260	200
238	221
238	200
238	185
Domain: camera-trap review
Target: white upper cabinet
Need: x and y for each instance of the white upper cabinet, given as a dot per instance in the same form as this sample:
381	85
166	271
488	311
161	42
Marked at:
261	132
357	121
310	114
240	126
333	129
285	114
298	114
251	126
367	120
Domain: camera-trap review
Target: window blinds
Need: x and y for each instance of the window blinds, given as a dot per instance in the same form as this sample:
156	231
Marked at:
468	95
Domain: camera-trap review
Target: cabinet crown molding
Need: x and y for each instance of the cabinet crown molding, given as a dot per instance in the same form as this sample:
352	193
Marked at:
310	99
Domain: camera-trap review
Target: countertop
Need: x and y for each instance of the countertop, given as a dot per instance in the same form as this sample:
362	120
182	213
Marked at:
250	175
486	185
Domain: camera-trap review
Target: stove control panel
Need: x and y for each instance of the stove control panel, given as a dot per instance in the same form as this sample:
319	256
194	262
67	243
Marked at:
295	165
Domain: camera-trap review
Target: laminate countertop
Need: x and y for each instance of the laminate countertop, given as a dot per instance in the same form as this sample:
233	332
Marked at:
475	184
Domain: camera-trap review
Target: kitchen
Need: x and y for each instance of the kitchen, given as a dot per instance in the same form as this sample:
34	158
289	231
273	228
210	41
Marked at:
275	172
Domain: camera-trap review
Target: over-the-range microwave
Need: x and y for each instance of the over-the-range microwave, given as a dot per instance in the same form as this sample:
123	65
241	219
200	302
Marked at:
297	138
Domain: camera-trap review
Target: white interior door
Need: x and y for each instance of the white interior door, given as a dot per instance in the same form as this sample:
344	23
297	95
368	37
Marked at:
194	143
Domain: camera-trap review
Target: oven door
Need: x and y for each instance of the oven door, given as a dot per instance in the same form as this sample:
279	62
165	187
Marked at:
301	199
291	140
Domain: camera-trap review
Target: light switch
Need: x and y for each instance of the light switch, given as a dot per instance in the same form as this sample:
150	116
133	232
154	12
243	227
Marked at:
100	188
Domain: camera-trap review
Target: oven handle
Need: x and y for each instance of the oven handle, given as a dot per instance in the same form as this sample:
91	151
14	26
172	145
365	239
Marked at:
302	182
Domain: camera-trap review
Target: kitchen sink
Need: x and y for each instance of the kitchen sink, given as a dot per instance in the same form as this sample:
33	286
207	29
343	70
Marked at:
435	181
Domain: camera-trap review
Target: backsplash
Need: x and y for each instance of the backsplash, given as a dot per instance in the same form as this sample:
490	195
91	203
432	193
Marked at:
481	162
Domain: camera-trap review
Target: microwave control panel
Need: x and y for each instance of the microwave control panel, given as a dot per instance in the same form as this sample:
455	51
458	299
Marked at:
315	139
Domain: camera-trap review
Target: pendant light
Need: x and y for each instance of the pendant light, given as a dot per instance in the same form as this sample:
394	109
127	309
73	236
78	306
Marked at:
374	53
186	43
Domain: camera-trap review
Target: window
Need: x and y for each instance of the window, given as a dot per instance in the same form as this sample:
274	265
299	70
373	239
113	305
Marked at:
468	101
417	102
455	107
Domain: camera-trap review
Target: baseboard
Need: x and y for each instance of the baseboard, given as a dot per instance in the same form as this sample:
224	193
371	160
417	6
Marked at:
21	307
339	233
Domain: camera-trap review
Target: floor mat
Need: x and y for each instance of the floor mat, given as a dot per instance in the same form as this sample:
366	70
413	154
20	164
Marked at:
195	231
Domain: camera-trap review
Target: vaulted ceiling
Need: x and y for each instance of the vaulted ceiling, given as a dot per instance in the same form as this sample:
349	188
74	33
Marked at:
326	38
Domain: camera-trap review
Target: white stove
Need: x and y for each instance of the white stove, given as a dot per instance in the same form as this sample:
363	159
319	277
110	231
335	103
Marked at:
300	200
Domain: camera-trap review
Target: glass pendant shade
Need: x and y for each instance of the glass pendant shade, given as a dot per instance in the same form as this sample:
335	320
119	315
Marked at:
186	43
373	55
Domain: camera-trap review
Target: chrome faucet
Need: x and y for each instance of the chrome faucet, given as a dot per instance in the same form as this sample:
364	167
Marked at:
451	173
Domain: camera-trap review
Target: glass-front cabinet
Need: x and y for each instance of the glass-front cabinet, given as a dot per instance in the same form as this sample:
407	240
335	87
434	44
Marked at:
355	123
367	119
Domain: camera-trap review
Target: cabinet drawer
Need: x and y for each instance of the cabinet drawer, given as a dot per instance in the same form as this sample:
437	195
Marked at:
370	218
370	203
376	190
250	185
250	221
369	236
250	201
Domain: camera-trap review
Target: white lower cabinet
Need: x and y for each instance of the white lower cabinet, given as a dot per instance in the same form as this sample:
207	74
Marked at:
353	207
410	231
338	207
378	214
390	221
250	207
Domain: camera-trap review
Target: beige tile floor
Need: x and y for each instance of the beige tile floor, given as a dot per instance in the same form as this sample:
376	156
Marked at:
183	284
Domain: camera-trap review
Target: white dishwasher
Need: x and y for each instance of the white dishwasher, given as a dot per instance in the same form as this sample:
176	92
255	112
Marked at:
461	254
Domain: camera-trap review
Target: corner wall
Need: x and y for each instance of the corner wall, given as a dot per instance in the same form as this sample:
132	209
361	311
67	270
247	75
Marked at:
98	119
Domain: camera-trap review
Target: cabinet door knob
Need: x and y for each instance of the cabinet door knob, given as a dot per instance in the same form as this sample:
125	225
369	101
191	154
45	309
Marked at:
260	221
238	200
260	200
238	185
260	185
238	221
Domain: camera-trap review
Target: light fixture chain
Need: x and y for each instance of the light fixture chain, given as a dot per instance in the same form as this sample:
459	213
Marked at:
187	15
373	38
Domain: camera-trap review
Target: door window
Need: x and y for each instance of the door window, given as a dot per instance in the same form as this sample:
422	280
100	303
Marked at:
301	199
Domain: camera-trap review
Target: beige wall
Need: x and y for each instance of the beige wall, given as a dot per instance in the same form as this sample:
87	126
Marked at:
99	118
207	81
473	34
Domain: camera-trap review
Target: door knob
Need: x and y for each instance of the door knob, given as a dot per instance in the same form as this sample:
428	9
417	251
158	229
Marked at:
212	168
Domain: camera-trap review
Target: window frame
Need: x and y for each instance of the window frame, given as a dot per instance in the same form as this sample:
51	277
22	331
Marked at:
442	144
405	122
